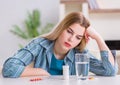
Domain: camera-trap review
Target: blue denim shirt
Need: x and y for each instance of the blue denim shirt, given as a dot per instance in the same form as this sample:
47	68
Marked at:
40	51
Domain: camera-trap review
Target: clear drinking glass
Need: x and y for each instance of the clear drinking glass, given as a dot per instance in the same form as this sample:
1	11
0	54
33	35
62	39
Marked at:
81	66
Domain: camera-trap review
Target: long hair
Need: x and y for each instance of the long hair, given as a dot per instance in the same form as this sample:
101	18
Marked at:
74	17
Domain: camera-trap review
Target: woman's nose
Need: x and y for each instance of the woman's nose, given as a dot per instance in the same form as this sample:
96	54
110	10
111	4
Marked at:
71	38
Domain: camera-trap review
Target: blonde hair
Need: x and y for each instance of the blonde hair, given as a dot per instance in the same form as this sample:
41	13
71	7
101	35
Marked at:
74	17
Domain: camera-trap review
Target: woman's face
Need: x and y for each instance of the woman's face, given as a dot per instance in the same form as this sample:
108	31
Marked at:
71	37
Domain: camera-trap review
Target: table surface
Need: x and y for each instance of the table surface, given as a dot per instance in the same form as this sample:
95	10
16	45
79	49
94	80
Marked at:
58	80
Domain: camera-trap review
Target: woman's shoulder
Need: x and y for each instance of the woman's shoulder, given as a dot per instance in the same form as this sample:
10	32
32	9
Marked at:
42	41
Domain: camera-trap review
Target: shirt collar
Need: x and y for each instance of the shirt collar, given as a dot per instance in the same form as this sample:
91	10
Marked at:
47	44
70	55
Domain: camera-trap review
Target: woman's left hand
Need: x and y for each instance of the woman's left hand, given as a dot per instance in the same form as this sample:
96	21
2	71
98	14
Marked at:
91	33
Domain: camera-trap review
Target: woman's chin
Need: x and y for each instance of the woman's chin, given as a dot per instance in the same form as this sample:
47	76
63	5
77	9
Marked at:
66	48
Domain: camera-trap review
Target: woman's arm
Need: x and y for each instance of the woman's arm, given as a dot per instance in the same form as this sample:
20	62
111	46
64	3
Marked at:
30	71
90	32
15	65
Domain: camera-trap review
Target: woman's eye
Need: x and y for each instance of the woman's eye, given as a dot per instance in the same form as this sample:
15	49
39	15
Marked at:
79	38
69	31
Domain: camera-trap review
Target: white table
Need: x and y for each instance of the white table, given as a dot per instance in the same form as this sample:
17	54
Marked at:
58	80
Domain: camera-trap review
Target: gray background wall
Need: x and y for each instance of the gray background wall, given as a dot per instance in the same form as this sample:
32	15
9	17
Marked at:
14	12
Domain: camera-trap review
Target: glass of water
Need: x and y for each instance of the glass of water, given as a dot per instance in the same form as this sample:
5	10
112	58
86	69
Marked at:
81	66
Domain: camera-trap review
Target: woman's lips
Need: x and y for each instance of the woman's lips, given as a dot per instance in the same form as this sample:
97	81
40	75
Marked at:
67	44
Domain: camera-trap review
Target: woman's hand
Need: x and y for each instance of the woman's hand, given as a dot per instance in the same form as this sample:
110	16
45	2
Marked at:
90	32
30	71
44	72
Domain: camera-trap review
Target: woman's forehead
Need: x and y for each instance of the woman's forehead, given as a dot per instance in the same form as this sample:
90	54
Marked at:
77	29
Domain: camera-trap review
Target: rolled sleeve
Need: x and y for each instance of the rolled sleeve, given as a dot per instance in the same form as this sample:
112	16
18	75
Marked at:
109	69
13	68
103	67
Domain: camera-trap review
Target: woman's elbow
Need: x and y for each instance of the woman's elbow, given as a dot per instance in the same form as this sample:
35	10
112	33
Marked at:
111	72
12	70
8	73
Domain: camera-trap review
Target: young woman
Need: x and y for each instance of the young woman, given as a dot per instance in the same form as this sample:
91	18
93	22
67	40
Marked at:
50	52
